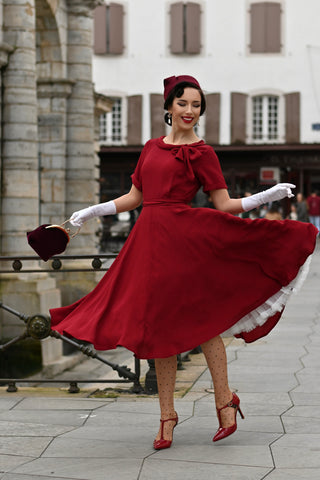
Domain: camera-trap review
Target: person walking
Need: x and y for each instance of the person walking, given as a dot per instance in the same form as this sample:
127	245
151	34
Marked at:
314	209
302	208
186	275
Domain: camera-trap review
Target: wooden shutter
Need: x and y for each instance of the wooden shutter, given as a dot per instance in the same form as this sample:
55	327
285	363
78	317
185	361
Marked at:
115	28
265	27
273	28
100	29
212	133
257	28
176	28
193	16
238	117
134	120
292	117
157	115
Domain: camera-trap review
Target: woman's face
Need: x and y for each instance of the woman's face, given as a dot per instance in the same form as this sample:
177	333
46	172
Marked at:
186	109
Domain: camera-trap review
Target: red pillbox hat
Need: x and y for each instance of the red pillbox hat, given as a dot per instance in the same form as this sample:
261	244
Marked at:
171	82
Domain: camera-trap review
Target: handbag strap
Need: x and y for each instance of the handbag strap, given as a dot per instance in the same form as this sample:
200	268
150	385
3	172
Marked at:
67	230
72	235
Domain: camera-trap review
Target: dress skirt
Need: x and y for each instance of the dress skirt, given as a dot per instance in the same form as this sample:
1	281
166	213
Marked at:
188	274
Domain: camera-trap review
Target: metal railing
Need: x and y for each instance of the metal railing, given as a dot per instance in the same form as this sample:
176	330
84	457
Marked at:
38	326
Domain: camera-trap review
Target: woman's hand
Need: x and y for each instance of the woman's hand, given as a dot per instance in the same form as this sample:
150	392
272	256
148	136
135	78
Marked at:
78	218
127	202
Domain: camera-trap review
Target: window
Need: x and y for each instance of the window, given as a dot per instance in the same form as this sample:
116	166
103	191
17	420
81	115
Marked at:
108	29
185	28
112	131
265	115
265	27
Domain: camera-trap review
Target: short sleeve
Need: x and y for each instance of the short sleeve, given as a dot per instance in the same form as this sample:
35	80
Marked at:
208	171
136	176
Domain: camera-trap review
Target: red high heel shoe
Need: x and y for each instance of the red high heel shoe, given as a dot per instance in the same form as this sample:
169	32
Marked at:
162	443
224	432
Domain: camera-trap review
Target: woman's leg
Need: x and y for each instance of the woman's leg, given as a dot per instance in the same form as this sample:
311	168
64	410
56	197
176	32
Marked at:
166	369
215	353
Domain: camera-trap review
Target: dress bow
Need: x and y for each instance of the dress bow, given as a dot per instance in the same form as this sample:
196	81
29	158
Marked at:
187	155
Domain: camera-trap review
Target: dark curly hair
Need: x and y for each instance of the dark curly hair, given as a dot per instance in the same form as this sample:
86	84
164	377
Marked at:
178	91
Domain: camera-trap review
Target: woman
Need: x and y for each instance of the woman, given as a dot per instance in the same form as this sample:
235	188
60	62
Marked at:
185	275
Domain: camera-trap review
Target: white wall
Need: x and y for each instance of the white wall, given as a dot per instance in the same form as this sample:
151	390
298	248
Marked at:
224	64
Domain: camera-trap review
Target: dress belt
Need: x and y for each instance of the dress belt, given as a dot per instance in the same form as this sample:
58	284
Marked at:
164	203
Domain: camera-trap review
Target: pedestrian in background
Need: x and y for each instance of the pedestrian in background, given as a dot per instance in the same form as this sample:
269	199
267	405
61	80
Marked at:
302	208
186	275
314	209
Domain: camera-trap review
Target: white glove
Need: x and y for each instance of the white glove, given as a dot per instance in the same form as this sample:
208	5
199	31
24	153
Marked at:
279	191
78	218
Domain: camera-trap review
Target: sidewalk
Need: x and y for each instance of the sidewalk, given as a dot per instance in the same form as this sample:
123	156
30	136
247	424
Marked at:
62	436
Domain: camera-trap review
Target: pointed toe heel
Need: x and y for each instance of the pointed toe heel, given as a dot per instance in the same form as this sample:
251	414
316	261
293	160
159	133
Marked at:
224	432
162	443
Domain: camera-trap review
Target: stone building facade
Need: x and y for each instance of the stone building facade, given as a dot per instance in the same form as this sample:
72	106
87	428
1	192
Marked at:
48	161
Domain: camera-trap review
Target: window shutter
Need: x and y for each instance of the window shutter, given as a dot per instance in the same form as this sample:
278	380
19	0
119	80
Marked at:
257	28
115	28
292	117
238	117
100	29
134	120
212	133
157	115
265	24
193	16
273	28
176	28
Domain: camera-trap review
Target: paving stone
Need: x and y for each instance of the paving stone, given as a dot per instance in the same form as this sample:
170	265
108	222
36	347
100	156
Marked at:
47	417
9	462
93	448
83	469
305	398
303	411
223	453
19	429
301	425
26	446
19	476
297	451
46	403
155	469
292	474
6	403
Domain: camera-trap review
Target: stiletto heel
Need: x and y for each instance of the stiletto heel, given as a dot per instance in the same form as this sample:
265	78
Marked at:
224	432
162	443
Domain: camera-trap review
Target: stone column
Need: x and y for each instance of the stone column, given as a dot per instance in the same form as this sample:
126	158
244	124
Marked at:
34	293
82	187
52	118
5	50
20	203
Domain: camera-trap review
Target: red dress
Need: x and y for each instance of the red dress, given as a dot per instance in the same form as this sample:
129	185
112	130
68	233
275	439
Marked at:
188	274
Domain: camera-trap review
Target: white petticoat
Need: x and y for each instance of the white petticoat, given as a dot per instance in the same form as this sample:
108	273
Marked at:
274	304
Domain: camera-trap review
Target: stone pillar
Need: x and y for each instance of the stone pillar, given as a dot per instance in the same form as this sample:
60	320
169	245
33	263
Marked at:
5	50
82	188
52	118
20	203
34	293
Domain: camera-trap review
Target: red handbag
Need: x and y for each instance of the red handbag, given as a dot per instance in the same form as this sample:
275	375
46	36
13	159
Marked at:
48	240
